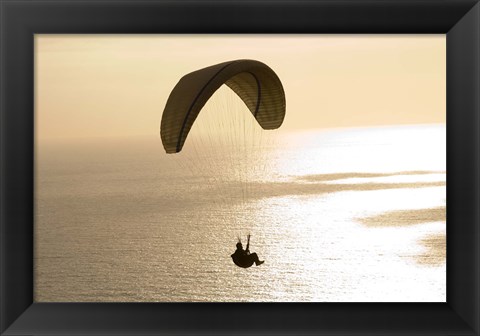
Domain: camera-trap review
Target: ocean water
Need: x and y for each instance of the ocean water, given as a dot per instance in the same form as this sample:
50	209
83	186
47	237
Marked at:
339	215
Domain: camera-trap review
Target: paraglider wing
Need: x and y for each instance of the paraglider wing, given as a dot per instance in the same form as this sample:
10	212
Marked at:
254	82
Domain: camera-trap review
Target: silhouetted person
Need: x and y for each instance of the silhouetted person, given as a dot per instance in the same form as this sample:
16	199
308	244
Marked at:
244	258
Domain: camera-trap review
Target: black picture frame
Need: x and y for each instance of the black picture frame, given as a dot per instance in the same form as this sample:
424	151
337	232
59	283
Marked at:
21	19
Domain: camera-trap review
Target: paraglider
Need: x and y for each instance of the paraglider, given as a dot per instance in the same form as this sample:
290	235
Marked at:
254	82
243	258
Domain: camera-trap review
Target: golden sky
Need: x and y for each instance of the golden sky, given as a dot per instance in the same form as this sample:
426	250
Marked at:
117	85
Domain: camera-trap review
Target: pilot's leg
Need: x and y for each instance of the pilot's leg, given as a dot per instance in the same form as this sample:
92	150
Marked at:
254	256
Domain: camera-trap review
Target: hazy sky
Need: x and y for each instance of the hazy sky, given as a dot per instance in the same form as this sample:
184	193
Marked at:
105	85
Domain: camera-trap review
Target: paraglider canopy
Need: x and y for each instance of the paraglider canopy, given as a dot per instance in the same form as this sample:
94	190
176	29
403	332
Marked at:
254	82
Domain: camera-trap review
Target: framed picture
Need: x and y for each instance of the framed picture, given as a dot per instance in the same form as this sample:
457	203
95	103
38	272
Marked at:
99	227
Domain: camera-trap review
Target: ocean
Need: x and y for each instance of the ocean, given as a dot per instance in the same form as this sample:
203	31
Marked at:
338	215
